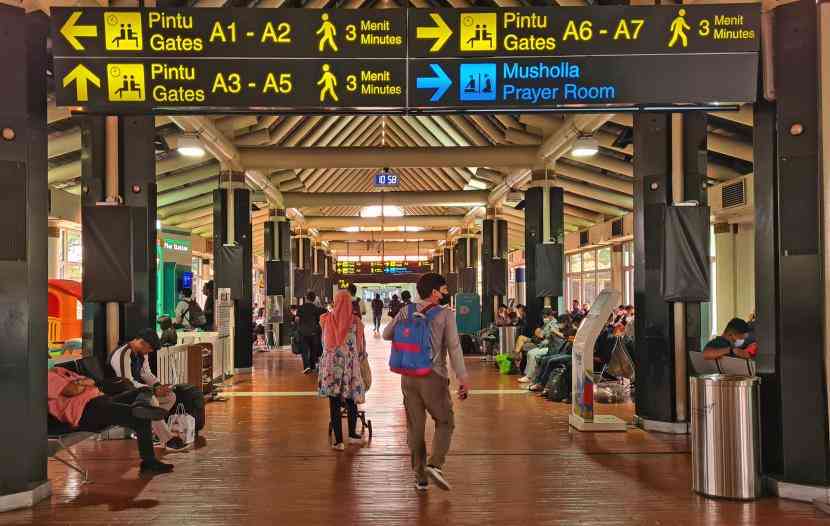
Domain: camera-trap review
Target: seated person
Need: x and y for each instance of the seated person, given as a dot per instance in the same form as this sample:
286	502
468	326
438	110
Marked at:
75	400
541	340
502	317
730	343
130	362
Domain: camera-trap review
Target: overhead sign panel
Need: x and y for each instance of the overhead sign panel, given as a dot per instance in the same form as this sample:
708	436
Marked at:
396	60
230	33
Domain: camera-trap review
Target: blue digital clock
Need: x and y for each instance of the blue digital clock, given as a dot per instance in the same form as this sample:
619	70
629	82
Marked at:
386	179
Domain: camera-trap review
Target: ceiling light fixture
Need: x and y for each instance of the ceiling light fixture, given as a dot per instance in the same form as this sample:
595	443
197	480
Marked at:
585	146
189	145
375	211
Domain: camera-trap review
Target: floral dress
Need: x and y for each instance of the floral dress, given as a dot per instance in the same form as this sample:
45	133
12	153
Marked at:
340	370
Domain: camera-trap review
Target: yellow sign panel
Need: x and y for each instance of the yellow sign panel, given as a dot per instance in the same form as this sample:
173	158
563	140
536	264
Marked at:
125	82
123	31
478	32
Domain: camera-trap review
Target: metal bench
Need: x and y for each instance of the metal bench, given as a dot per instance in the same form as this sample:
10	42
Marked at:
63	442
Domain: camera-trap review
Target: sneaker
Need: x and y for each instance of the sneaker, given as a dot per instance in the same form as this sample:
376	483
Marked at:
176	444
421	486
437	476
524	380
339	446
356	440
154	467
535	387
148	412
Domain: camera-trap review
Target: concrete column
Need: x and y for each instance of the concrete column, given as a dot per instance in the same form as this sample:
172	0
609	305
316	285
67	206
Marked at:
232	228
544	223
23	276
493	246
277	251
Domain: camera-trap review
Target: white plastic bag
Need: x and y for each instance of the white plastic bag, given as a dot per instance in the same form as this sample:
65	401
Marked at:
182	425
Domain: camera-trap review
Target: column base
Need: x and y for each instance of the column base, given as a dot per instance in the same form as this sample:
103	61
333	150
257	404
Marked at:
243	370
599	423
657	426
26	499
801	492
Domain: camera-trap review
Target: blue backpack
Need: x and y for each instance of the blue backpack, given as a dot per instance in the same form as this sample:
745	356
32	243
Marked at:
412	342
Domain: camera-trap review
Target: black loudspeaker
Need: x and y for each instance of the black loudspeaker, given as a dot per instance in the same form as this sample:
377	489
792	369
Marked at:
277	277
496	271
549	276
686	254
228	271
300	282
468	279
452	283
108	254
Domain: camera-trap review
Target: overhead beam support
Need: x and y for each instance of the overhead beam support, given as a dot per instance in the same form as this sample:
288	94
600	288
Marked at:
346	221
318	200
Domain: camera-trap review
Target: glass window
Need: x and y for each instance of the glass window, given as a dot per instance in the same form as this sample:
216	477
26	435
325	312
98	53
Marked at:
574	289
589	289
589	261
574	263
604	258
604	280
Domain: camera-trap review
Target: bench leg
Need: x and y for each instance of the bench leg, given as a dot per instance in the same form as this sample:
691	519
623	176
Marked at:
76	466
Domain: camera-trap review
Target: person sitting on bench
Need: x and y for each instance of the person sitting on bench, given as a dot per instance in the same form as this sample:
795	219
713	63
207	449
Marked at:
730	343
130	362
76	401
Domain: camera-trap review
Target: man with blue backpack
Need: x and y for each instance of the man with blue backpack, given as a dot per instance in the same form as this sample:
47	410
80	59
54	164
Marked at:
423	336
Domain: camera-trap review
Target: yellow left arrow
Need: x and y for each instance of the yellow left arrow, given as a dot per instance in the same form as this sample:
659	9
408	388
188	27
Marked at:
72	32
81	76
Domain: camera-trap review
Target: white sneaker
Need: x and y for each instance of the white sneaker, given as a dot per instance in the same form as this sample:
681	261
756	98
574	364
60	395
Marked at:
421	486
437	476
359	440
339	447
524	380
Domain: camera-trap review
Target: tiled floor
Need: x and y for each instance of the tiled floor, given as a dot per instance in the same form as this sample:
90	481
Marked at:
265	460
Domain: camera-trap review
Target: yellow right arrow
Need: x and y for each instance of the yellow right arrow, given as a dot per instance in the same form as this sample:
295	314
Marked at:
441	32
81	75
72	32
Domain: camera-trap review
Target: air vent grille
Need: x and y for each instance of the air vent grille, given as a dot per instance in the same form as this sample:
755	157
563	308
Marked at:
733	194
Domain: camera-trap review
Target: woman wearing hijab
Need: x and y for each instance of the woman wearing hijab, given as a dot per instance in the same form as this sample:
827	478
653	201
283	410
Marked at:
344	347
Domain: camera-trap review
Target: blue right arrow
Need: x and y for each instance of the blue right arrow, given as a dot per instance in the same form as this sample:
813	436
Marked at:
440	83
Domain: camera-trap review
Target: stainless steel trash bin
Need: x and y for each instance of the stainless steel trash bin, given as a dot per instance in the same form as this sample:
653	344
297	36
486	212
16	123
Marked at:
726	444
507	339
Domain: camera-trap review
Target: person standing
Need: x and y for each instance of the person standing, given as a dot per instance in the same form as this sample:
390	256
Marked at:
431	393
377	312
209	309
308	325
394	306
406	298
358	305
344	347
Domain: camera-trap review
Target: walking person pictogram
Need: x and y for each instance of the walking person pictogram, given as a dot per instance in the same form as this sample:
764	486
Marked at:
329	82
678	28
327	32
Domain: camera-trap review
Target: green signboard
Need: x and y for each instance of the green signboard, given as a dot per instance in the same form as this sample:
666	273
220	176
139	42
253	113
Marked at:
403	60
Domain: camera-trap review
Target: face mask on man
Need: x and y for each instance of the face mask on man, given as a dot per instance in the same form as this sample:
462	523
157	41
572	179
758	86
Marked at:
445	299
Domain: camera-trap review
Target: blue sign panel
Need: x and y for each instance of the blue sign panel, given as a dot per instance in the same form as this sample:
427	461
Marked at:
386	179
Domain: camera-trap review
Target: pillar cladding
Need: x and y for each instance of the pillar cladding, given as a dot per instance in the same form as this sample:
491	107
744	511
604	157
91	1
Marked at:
23	253
232	230
137	182
654	350
493	246
544	223
790	292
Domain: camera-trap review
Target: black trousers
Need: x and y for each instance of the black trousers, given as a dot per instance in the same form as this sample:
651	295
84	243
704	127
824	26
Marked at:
312	350
335	403
105	411
376	317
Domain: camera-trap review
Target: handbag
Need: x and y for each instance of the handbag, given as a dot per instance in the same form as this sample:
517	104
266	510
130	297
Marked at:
620	364
366	372
182	425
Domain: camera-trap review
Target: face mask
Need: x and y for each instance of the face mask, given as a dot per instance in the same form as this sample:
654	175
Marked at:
445	299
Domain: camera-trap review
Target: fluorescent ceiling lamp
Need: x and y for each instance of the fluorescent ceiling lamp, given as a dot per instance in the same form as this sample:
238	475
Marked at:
190	146
585	146
375	211
413	228
350	229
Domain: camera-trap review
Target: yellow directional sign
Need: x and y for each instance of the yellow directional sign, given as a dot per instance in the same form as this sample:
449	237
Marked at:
441	32
122	31
125	83
82	77
478	32
72	32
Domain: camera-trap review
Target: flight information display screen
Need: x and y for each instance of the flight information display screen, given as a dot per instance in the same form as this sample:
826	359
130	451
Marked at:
383	267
